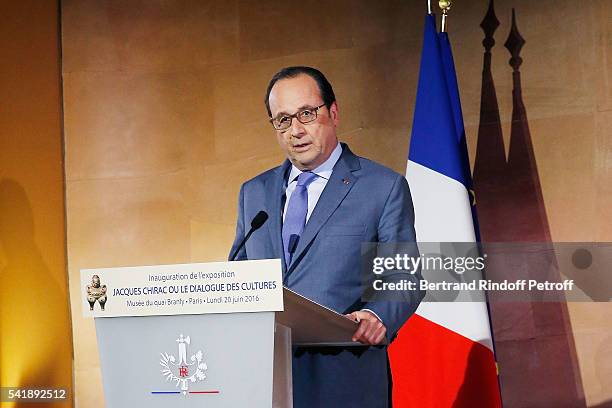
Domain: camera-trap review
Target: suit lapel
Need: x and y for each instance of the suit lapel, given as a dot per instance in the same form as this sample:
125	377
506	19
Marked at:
338	186
275	185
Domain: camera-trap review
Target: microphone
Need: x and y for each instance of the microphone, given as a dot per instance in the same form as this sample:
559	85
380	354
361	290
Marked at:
293	243
259	220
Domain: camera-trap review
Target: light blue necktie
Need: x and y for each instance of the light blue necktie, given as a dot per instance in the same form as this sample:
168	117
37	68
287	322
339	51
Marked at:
295	218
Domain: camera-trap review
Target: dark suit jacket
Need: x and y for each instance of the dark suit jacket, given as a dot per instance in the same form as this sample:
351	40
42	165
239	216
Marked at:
362	202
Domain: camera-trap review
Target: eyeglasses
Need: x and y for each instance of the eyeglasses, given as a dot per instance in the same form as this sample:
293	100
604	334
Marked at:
304	116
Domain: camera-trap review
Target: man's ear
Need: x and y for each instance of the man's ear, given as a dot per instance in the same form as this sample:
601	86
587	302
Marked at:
333	113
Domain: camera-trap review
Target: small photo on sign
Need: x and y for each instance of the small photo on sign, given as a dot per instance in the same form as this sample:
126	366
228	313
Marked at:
96	292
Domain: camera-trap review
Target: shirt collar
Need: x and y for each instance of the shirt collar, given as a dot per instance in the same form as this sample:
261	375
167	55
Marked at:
324	170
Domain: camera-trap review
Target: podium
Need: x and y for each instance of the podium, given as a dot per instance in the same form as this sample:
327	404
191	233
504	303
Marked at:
228	359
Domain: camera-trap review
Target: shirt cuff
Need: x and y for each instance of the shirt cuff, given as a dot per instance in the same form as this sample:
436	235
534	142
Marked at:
374	313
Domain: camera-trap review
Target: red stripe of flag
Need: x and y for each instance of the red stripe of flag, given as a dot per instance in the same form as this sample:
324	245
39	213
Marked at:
464	369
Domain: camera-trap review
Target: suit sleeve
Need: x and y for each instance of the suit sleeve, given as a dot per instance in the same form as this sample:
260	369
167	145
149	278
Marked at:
240	231
396	234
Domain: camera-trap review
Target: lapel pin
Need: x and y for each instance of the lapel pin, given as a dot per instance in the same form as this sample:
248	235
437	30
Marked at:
345	181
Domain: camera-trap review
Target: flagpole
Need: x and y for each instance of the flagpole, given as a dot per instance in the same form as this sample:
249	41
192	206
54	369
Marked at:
428	6
445	5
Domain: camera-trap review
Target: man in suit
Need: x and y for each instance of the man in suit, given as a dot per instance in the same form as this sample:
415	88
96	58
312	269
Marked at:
323	202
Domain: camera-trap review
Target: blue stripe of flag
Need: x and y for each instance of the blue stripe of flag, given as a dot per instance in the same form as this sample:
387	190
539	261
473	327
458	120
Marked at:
434	142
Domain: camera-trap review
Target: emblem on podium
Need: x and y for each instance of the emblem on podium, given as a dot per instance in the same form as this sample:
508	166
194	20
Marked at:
183	370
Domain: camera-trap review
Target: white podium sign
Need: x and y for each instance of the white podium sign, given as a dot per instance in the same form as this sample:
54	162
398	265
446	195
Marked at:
212	335
200	288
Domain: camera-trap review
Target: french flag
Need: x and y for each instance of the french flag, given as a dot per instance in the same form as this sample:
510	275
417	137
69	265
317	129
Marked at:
443	356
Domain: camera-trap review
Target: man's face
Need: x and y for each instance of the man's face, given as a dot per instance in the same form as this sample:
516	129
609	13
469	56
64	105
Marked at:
307	145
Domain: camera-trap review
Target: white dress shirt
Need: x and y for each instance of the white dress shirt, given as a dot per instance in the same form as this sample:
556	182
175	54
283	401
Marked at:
315	189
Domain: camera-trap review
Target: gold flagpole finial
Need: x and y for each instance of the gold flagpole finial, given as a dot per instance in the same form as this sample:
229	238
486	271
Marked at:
445	5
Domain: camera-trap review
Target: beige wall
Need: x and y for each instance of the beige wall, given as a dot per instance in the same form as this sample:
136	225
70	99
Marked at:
164	119
35	332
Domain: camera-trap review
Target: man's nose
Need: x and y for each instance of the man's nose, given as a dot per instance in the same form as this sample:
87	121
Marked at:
297	128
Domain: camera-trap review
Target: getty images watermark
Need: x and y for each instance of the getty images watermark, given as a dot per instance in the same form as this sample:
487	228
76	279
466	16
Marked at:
495	272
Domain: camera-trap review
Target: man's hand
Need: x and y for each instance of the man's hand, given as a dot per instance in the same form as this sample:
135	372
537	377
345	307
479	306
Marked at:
371	331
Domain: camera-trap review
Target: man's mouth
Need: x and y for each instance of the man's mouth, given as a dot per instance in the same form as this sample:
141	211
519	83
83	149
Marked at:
301	147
